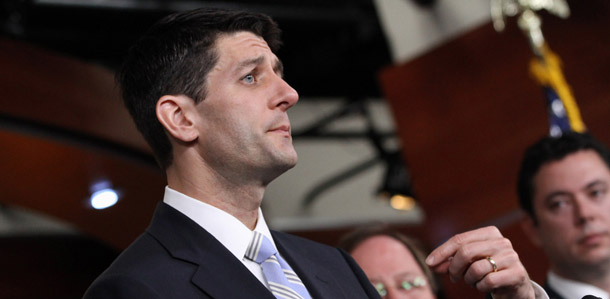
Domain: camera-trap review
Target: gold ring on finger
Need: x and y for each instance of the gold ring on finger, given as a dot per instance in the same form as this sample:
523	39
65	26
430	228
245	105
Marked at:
493	263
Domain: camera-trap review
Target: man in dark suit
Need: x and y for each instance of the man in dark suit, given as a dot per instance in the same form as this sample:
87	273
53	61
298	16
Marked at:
205	88
564	188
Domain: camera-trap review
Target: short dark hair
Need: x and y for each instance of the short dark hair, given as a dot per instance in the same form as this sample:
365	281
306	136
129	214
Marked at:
550	149
174	57
351	240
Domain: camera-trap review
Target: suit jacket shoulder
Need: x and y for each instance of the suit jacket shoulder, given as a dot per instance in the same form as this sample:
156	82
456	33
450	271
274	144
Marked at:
176	258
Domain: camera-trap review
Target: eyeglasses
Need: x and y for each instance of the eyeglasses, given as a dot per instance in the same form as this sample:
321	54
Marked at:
406	284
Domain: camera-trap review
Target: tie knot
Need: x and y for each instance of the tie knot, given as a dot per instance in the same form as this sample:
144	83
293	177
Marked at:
260	248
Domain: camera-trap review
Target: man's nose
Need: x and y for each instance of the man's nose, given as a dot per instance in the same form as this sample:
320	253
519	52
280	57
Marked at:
584	210
286	96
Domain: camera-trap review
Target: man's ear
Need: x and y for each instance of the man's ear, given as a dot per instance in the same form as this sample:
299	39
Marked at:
531	230
178	115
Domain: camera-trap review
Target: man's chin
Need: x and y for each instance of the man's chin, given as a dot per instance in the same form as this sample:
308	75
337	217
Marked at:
595	256
278	168
282	157
290	163
288	157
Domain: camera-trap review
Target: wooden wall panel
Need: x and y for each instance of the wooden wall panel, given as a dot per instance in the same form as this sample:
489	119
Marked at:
467	110
54	178
44	93
52	89
63	128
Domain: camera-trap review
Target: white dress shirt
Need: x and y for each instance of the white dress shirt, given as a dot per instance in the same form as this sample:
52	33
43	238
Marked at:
228	230
573	289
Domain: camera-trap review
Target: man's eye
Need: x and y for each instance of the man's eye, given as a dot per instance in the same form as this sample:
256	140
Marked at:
557	204
249	79
597	193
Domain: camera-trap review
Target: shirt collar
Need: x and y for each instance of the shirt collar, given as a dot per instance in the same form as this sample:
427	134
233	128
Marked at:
228	230
573	289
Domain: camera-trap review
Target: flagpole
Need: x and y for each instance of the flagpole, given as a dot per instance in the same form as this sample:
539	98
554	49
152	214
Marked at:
564	114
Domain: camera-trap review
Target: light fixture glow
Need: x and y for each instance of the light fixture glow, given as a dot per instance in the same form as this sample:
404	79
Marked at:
104	198
396	184
401	202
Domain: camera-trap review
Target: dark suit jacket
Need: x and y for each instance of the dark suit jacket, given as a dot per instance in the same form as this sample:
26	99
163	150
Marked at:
552	293
176	258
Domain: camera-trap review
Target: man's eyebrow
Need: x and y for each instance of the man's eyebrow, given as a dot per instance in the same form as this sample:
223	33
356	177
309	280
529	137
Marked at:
250	62
595	184
278	67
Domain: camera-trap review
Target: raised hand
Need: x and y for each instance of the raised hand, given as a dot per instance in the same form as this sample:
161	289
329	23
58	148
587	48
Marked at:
485	259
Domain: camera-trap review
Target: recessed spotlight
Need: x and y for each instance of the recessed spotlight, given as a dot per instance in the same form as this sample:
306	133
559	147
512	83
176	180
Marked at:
103	195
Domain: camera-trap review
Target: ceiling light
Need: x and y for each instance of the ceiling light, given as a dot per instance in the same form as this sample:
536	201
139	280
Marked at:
396	185
103	195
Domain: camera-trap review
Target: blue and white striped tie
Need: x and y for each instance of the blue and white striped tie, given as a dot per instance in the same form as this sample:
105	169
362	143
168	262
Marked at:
282	280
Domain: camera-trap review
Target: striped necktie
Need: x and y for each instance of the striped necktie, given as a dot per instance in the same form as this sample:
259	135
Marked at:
283	282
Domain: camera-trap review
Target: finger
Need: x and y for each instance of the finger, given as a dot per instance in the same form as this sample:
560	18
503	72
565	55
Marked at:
468	254
442	267
483	267
449	248
511	276
509	282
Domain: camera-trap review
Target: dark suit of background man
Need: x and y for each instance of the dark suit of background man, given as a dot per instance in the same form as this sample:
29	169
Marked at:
206	90
564	187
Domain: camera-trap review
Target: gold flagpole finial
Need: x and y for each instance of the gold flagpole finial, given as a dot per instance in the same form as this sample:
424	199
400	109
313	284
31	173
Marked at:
528	20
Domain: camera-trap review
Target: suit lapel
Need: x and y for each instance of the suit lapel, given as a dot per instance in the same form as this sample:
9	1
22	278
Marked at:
551	292
318	280
219	273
